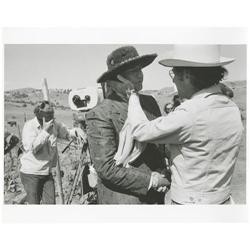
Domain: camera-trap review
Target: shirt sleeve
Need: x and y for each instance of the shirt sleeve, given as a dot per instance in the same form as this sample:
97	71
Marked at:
103	146
172	129
33	141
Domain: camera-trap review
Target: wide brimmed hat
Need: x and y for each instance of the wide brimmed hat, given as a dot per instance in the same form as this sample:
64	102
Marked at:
123	59
195	56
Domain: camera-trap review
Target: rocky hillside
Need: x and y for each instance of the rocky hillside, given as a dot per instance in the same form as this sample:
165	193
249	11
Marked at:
30	96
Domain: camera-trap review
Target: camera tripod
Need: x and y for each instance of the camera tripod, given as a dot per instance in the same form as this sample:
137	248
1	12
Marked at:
82	171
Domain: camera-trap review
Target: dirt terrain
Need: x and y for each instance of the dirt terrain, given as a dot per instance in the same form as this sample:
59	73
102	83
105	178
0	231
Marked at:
19	107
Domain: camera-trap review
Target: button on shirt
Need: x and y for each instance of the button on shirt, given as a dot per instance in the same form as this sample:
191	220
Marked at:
204	134
40	147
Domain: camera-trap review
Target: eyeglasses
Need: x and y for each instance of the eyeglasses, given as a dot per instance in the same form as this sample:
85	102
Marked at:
171	74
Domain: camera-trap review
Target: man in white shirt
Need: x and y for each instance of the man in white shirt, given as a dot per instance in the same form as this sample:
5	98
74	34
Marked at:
39	139
204	132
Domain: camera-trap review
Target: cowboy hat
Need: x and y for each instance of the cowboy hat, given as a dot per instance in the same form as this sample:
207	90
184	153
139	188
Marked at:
195	56
123	59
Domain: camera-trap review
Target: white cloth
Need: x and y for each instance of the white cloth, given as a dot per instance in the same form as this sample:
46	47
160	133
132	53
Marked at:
128	149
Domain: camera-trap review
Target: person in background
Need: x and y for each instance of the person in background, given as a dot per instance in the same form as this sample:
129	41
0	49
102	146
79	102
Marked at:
136	182
40	154
10	141
204	132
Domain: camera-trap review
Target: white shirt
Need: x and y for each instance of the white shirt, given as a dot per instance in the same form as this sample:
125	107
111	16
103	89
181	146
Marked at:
204	134
40	147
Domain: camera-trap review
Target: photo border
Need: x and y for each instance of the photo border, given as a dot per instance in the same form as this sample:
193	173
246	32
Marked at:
125	213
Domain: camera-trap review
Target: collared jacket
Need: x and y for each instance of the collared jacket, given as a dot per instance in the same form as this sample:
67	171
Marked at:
204	134
118	184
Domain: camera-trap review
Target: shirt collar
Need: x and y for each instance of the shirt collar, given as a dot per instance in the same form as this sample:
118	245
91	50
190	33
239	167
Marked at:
206	92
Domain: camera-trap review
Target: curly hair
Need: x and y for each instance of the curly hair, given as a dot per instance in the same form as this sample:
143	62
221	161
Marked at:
203	77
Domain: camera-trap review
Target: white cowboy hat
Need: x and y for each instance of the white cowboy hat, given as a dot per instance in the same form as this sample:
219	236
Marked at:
195	56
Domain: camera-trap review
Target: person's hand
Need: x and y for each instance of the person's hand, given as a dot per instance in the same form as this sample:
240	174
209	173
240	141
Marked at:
78	133
129	86
159	182
226	90
48	126
53	172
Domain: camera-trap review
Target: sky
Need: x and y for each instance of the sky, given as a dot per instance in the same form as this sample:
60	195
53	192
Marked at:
79	65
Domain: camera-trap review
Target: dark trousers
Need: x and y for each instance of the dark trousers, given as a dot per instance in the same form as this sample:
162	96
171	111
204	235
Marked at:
39	188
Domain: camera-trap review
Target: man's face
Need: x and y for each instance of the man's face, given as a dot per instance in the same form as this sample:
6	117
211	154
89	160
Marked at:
47	112
181	79
135	76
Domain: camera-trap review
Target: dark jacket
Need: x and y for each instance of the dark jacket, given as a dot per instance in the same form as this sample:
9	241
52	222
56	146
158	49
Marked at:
117	184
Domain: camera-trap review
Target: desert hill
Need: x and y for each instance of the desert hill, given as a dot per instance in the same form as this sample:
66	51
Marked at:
30	96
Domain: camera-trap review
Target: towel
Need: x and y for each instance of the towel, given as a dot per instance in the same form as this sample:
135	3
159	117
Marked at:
128	148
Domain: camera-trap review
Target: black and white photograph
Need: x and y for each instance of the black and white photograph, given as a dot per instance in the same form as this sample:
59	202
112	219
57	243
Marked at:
125	124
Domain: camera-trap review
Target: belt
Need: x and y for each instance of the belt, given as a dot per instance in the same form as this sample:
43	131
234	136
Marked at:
226	202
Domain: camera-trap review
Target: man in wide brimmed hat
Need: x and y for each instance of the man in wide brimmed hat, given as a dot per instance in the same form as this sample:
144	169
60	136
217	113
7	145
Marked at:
204	132
136	182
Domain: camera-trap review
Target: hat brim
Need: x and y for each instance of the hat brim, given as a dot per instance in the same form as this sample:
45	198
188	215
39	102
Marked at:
140	61
184	63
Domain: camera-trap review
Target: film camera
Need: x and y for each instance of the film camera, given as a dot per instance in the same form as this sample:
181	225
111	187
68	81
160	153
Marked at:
81	101
85	99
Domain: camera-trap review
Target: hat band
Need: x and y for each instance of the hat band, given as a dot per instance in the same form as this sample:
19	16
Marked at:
125	61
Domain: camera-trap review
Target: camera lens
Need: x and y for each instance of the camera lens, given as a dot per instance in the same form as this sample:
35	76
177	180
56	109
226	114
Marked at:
76	99
87	98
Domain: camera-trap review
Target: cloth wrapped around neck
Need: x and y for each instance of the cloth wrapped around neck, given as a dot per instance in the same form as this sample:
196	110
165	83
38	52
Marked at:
128	148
